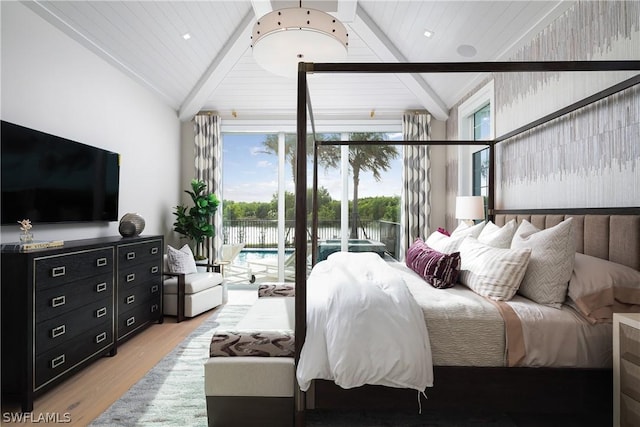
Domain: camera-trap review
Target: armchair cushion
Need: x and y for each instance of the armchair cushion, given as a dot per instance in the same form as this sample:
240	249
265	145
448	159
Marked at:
181	260
193	283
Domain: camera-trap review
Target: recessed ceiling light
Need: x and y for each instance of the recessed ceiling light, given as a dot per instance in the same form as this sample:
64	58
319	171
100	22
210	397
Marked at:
186	36
428	33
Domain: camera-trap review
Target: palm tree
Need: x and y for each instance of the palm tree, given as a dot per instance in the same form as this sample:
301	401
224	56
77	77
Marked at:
374	158
271	147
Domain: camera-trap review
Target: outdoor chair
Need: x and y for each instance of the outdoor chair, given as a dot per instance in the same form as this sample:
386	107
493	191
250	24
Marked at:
267	270
228	269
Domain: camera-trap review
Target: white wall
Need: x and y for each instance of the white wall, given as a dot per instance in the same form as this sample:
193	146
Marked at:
53	84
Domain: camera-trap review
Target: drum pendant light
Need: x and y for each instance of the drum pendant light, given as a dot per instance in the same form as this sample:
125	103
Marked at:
284	37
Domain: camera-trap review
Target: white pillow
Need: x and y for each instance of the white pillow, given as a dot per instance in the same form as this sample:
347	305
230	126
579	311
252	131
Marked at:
181	261
443	243
498	237
464	229
492	272
552	255
450	244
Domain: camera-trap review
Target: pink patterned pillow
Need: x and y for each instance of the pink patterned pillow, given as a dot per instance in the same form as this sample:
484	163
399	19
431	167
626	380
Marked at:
438	269
443	231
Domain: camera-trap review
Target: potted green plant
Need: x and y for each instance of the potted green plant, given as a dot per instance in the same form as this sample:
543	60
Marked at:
195	222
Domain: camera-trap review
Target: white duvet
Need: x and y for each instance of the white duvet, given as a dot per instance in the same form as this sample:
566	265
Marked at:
363	326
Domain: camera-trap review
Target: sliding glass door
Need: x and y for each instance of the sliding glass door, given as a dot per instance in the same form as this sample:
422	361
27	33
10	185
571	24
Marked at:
358	197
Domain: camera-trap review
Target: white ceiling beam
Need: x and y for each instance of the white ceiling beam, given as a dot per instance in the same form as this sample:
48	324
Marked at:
384	49
261	7
347	10
221	65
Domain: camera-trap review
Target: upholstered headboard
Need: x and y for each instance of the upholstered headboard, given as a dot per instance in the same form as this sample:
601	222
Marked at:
612	237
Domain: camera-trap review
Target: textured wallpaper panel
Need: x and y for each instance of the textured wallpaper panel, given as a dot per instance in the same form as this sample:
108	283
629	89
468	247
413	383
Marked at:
589	158
590	30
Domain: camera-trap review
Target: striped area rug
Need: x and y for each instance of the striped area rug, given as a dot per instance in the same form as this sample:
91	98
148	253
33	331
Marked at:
172	393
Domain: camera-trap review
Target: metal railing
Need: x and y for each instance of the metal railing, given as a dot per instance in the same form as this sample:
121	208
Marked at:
263	233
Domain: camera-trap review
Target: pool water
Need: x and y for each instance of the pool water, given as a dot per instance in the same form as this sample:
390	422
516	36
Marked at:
258	255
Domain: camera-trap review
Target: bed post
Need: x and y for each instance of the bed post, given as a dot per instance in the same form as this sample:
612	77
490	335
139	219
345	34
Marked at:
492	183
301	236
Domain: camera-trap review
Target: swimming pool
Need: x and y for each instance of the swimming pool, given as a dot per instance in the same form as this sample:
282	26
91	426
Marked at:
258	255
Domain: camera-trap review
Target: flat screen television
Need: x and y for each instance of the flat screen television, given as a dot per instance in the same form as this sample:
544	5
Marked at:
50	179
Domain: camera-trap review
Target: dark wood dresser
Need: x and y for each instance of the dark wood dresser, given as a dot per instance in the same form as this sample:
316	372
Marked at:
64	307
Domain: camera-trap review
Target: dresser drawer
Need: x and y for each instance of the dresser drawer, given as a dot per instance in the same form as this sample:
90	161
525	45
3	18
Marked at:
59	330
55	301
60	269
138	253
61	359
136	296
131	277
150	310
630	343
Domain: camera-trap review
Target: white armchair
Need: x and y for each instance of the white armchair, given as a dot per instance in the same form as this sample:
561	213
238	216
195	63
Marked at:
188	295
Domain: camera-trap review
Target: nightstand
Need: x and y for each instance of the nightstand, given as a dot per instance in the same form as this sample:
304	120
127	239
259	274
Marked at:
626	370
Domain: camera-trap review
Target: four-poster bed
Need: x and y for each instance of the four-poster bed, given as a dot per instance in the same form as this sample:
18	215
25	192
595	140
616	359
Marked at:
549	389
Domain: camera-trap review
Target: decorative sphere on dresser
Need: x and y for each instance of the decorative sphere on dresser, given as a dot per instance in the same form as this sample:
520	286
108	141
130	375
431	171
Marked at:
131	224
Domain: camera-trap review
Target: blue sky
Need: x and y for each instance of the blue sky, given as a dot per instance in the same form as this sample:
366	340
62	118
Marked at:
252	176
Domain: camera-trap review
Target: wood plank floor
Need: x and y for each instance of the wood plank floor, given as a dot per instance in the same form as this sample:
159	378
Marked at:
87	394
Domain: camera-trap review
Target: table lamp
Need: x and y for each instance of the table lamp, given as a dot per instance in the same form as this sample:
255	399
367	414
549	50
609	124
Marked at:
469	208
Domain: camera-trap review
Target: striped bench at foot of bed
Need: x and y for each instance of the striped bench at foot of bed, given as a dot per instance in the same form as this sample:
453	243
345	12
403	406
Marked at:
250	374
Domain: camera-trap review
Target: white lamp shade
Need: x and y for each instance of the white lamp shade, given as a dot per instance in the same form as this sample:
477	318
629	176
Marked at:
470	207
284	37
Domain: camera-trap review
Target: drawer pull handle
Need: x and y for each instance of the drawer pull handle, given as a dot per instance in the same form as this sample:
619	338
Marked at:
101	337
57	361
101	312
154	289
58	271
154	251
101	287
131	255
58	301
101	262
56	332
131	321
131	299
154	269
154	308
131	277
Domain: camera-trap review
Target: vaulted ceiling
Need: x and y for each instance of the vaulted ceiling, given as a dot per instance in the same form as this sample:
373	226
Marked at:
214	68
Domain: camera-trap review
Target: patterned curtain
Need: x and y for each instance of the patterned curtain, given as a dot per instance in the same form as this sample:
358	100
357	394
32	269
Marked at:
208	168
416	183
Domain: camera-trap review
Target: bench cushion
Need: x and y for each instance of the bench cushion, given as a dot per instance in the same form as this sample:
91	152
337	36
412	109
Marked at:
268	314
276	290
253	343
266	330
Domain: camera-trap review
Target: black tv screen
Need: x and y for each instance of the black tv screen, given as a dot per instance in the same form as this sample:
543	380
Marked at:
49	179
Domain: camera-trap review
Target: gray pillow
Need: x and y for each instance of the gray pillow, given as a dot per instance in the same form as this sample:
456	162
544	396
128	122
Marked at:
181	261
552	256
